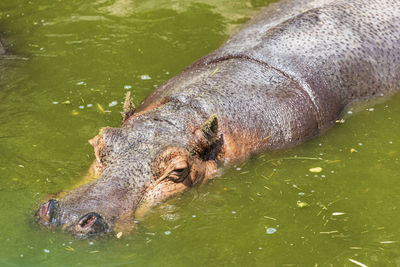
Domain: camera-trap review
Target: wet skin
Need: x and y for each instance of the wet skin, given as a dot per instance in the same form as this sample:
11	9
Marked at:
283	79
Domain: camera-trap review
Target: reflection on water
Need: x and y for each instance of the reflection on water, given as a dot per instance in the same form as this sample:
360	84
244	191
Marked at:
325	202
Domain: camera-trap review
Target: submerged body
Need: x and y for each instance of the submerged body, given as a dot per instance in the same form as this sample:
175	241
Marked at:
281	80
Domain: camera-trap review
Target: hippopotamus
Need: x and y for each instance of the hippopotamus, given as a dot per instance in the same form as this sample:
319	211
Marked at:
284	78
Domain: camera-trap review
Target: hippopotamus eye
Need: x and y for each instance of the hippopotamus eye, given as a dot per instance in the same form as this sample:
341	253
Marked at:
179	172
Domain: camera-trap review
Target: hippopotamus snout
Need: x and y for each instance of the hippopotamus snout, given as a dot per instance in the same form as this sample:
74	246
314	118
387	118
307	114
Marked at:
89	225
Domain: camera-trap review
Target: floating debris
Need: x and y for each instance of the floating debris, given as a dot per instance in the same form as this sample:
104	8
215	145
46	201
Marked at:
302	204
74	112
127	87
352	150
69	248
315	169
338	213
329	233
118	235
215	71
167	232
270	231
387	242
46	250
358	263
100	108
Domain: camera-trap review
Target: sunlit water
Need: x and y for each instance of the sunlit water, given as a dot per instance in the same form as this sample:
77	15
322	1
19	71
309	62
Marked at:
71	63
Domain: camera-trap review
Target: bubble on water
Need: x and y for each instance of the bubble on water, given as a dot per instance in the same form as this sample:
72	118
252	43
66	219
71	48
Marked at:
301	193
323	176
145	77
193	216
89	105
113	103
360	144
46	250
260	248
271	231
91	243
22	255
233	212
390	142
371	109
55	102
81	83
238	169
81	107
349	112
167	232
127	86
170	217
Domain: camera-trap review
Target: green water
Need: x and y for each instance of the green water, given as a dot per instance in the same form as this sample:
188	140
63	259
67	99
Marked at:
69	56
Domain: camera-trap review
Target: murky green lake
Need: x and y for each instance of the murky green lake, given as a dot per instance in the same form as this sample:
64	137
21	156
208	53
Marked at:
70	64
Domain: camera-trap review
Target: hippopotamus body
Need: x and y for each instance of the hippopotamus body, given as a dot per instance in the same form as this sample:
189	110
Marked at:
283	79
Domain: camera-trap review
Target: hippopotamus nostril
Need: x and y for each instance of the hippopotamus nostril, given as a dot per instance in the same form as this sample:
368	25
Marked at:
91	224
46	215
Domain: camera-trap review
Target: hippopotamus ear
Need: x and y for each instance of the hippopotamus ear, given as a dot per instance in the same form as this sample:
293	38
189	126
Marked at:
210	128
206	138
129	107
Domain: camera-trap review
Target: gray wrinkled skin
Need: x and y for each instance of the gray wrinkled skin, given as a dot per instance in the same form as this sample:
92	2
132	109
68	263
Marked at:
285	77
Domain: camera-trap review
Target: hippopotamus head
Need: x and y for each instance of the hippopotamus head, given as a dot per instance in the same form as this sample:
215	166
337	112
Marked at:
152	157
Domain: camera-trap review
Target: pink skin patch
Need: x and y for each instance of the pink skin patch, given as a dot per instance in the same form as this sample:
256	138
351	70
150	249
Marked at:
44	210
88	222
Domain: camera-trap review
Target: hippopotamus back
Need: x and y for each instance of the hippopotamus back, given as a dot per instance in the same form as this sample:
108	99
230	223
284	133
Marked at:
338	51
333	52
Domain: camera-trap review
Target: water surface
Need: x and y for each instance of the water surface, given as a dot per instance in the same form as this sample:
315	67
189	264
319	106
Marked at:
70	65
